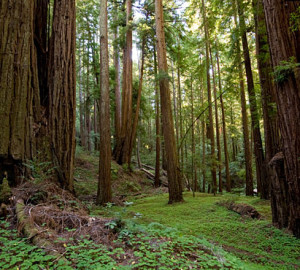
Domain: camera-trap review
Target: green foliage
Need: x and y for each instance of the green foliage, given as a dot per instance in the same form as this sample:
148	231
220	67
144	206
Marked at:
16	253
40	171
285	69
256	242
295	20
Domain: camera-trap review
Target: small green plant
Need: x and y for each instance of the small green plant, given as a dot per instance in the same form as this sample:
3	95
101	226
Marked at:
285	69
5	191
295	20
40	171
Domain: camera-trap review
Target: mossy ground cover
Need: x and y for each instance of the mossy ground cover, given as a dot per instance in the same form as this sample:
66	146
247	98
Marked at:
256	242
197	234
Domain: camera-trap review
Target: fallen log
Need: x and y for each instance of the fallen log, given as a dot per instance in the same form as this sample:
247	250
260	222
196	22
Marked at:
32	233
151	176
242	209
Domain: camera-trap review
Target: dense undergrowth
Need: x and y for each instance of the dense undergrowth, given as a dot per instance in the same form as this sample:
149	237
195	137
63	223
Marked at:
147	233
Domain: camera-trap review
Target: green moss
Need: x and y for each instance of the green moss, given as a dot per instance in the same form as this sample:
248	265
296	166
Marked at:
5	191
256	241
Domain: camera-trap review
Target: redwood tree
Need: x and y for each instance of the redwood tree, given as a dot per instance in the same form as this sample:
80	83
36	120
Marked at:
104	187
284	43
175	186
38	87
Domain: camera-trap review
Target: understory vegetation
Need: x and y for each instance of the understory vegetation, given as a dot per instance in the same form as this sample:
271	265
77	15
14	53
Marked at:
142	231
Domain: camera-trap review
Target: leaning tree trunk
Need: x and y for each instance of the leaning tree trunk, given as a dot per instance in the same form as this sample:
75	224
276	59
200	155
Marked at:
285	46
175	186
62	89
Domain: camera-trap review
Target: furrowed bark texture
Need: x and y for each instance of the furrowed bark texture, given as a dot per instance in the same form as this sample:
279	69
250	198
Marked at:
104	187
62	90
18	79
271	134
122	149
284	44
175	186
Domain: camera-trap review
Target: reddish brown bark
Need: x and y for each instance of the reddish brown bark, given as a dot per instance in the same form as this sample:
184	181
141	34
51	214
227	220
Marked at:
138	105
284	44
175	186
217	124
261	172
157	124
228	178
62	90
210	127
117	87
104	194
122	149
247	151
271	134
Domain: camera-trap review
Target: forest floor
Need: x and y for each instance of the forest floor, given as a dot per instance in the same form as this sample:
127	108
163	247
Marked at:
141	231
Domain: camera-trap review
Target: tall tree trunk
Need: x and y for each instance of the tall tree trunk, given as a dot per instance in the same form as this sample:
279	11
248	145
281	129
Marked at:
117	87
122	149
210	112
194	171
228	179
233	142
217	124
157	124
285	44
175	186
20	112
62	89
203	145
104	194
180	150
138	104
175	110
271	133
247	151
261	172
81	106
